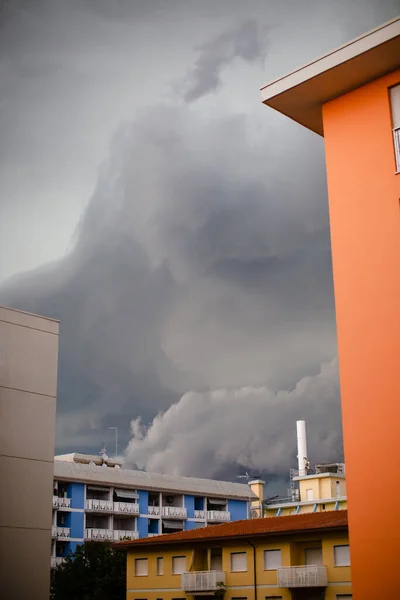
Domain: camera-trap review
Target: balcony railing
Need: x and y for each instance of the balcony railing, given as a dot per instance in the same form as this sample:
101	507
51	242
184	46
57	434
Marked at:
302	577
99	534
60	532
174	512
99	505
396	137
130	508
218	515
154	511
153	534
120	534
199	514
202	581
61	502
55	561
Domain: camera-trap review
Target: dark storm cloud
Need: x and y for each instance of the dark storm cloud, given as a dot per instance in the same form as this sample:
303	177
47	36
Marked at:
246	41
198	294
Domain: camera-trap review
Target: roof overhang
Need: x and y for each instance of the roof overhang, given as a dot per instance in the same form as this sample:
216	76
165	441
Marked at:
301	94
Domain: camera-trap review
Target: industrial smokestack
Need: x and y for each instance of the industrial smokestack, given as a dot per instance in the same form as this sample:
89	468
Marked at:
302	447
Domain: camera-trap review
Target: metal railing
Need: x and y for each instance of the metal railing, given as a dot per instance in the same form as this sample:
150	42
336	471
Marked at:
56	560
396	138
60	532
131	508
99	534
218	515
202	581
154	510
302	577
120	534
177	512
61	502
99	505
199	514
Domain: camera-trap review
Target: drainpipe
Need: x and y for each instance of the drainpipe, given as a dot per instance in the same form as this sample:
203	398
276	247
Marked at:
254	568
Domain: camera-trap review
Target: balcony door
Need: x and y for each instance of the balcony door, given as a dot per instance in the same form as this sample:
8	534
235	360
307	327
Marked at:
313	556
216	559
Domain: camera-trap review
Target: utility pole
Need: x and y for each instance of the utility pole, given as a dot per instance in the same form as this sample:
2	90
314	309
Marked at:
116	440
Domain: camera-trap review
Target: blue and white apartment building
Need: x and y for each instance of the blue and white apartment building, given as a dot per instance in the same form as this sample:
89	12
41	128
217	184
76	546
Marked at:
95	498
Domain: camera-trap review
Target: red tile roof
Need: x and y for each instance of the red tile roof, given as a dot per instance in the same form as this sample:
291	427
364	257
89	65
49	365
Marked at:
249	528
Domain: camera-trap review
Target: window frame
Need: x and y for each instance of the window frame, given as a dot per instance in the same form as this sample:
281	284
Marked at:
265	555
137	560
395	125
172	564
334	555
243	552
159	560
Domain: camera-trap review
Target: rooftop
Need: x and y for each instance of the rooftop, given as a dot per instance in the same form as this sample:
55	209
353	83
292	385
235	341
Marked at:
301	94
128	478
250	528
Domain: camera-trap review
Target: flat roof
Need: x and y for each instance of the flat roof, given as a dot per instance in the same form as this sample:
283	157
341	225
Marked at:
300	94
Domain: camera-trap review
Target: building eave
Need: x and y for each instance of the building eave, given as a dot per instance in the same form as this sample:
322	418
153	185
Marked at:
301	94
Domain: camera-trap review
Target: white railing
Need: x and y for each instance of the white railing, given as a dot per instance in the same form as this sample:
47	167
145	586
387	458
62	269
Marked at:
202	581
64	502
299	577
199	514
396	137
131	508
55	561
218	515
60	532
99	534
174	511
120	534
99	505
55	501
153	534
154	510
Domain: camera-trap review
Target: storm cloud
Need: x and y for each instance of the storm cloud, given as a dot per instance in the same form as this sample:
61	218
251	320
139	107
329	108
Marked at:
196	299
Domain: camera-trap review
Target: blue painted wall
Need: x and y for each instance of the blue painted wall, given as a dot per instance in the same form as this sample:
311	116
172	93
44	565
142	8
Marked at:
143	527
71	547
238	509
143	502
77	523
190	525
77	495
63	519
198	503
189	505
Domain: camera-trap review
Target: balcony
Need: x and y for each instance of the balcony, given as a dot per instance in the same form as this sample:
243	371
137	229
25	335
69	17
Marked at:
218	515
127	508
60	532
120	534
174	512
202	581
61	502
105	506
154	511
302	577
55	561
199	514
99	535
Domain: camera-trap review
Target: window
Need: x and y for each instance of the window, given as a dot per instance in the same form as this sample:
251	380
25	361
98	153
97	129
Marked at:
272	560
160	565
342	556
178	565
238	562
141	567
344	597
395	106
309	494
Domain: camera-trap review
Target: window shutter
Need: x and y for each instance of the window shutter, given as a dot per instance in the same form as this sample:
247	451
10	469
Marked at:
342	556
160	565
178	565
238	561
272	559
395	103
141	567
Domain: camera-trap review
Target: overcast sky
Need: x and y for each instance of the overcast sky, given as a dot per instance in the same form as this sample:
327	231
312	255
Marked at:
176	226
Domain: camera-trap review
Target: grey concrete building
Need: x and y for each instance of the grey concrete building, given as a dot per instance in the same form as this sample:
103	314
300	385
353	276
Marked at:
28	388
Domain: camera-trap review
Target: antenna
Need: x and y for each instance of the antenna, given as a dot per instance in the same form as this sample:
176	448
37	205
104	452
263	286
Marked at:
116	440
246	476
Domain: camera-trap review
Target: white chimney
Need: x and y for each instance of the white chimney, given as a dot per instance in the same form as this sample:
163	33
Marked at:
301	447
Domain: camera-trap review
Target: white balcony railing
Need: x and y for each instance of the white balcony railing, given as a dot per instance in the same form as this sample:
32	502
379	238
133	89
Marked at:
154	511
99	534
120	534
153	534
218	515
55	561
202	581
396	136
177	512
130	508
60	532
61	502
302	577
99	505
199	514
55	501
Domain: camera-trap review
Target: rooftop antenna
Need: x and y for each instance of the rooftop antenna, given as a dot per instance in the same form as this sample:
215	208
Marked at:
246	476
116	440
303	462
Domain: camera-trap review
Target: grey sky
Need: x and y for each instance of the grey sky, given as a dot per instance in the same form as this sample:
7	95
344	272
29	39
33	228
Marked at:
195	219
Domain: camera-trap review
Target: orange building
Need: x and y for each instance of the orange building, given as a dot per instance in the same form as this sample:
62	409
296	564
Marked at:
352	98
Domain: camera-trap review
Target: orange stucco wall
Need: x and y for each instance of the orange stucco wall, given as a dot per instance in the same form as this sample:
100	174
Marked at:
364	204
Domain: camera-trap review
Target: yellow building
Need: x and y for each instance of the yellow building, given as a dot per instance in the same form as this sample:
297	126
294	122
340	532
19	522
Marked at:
301	557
